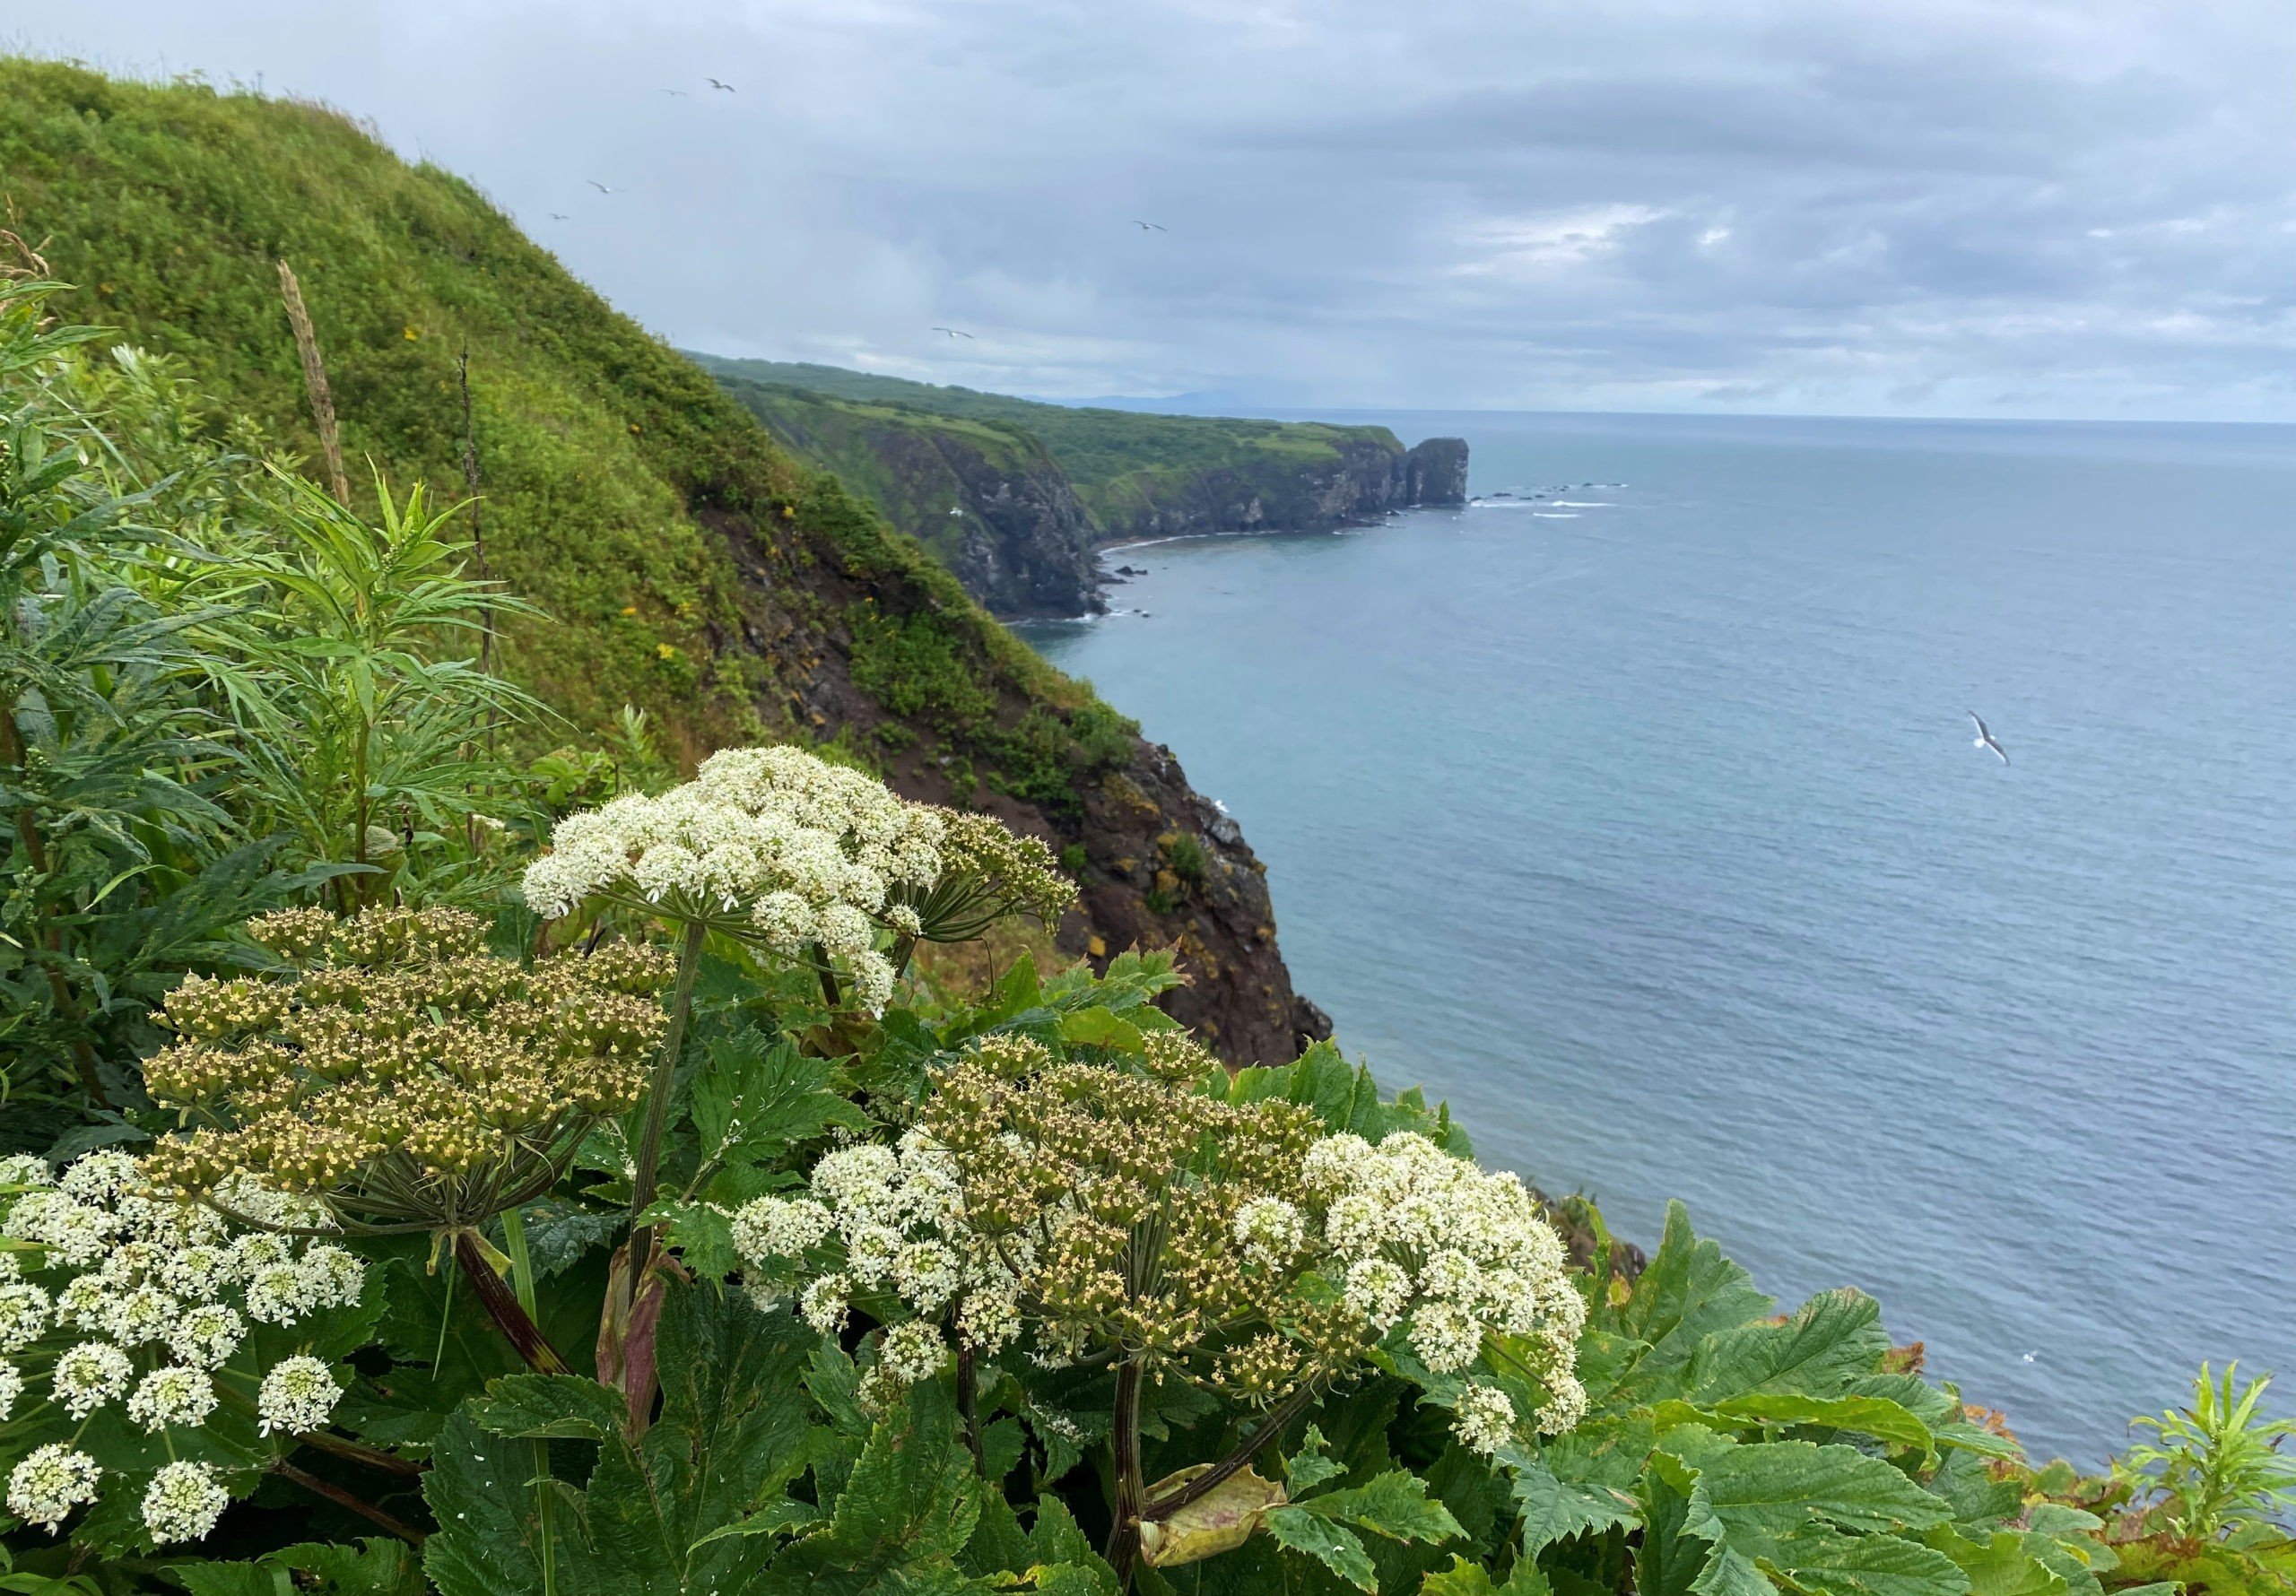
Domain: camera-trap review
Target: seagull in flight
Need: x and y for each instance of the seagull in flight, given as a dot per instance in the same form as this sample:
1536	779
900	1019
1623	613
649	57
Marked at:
953	333
557	215
678	93
714	83
1147	227
600	187
1985	738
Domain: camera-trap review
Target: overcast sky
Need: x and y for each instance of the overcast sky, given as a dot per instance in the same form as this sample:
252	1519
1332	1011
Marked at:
1939	207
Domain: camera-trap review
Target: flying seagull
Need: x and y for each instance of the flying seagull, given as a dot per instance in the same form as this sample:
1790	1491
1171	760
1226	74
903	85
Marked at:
714	83
1985	738
1150	225
679	93
600	187
953	333
557	215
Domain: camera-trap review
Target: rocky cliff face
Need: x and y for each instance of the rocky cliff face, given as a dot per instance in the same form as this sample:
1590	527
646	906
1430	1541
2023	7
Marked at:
1435	471
1360	479
987	499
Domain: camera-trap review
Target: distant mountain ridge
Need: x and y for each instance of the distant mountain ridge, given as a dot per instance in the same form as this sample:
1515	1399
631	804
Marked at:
965	473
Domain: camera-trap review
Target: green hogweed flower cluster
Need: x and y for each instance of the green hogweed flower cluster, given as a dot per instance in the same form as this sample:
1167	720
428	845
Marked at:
405	1077
119	1297
1118	1196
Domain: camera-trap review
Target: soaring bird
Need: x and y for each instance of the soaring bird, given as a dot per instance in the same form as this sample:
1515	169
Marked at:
557	215
1147	227
714	83
678	93
953	333
1985	738
600	187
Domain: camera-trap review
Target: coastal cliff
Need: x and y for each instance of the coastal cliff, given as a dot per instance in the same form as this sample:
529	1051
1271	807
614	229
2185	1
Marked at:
1133	474
985	497
679	557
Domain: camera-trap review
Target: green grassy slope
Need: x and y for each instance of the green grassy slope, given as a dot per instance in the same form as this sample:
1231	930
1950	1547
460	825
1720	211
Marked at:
168	206
1119	459
687	563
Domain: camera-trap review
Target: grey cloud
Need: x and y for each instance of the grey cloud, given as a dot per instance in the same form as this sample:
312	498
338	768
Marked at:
1931	206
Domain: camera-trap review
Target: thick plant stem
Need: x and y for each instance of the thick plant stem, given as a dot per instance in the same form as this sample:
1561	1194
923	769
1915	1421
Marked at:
969	1398
511	1317
522	1277
342	1498
1206	1483
353	1452
657	1097
1124	1533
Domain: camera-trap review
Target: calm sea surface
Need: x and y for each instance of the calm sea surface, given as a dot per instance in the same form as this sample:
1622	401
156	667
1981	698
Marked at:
1642	822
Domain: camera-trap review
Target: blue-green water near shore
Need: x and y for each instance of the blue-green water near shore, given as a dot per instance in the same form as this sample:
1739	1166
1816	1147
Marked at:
1642	822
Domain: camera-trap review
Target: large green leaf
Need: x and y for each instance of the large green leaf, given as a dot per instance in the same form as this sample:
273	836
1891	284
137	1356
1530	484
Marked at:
486	1543
1296	1529
1463	1578
759	1096
1997	1565
1690	1292
903	1518
1581	1482
1877	1416
1835	1339
1776	1488
1395	1504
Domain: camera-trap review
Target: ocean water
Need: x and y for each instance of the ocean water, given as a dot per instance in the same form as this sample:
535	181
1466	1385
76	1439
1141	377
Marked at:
1642	822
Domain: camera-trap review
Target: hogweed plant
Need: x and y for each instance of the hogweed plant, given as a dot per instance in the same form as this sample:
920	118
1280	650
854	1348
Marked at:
814	862
402	1079
157	1358
1119	1211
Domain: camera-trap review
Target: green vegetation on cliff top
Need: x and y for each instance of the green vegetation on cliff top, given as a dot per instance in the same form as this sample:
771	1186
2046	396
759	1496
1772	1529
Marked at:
621	486
1116	458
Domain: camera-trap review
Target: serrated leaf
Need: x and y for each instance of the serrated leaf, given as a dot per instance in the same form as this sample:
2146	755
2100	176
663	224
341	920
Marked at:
910	1507
759	1097
485	1545
1295	1529
1097	1027
559	1234
1689	1292
1878	1416
1463	1578
1578	1483
1312	1467
563	1407
1997	1565
1834	1338
1395	1504
1772	1489
1833	1564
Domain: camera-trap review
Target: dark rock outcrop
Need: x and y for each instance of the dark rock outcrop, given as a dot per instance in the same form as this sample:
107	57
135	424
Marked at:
1435	471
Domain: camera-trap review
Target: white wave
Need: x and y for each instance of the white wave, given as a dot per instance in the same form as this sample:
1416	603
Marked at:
1556	514
1582	504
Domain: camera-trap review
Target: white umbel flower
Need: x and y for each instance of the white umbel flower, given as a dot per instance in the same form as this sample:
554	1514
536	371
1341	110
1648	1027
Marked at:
23	1315
183	1502
299	1394
823	1303
1483	1419
91	1375
1270	1230
46	1487
172	1396
773	1227
912	1351
207	1335
12	1386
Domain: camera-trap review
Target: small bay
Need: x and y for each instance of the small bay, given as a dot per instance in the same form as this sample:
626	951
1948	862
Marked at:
1641	820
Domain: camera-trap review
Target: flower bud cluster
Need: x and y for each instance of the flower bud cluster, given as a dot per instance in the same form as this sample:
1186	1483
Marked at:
404	1073
1457	1259
1162	1222
125	1299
